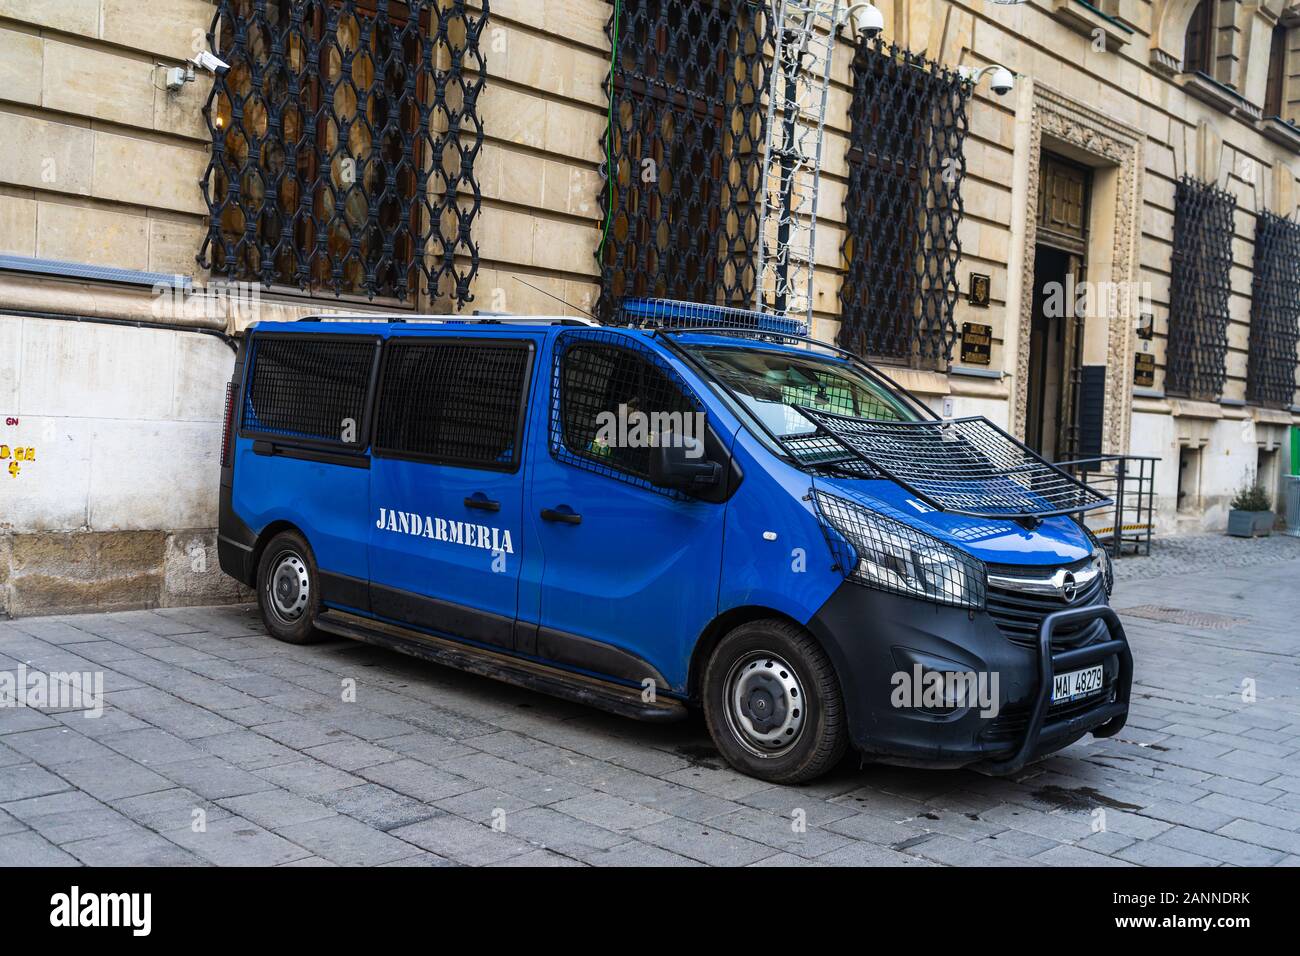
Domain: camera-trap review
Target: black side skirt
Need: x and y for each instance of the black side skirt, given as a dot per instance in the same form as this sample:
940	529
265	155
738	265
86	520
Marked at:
580	688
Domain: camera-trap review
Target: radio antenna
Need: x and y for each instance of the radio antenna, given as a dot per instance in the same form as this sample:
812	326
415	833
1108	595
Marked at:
576	308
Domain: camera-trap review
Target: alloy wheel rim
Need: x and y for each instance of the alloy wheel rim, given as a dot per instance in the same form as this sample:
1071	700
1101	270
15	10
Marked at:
765	704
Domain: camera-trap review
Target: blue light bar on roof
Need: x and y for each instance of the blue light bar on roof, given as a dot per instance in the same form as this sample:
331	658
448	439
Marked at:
672	313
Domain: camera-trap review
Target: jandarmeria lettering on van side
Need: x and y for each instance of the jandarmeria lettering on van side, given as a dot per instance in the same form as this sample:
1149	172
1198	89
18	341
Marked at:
445	529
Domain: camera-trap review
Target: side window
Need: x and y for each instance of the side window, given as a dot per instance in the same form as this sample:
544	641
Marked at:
610	404
453	402
312	389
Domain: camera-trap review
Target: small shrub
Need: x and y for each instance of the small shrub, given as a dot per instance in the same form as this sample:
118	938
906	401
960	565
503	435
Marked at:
1252	497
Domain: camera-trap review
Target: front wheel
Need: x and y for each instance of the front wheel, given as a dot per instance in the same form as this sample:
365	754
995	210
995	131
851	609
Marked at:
772	703
288	590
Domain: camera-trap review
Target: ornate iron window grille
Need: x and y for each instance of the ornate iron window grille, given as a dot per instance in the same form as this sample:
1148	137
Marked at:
343	144
903	206
1274	313
1199	290
684	151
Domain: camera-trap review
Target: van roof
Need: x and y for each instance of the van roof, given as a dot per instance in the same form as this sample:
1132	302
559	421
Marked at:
479	318
639	313
379	323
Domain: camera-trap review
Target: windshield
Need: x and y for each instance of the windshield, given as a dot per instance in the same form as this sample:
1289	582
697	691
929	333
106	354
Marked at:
771	383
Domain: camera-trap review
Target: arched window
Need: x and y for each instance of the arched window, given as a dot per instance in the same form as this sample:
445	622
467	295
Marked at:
1198	48
1274	98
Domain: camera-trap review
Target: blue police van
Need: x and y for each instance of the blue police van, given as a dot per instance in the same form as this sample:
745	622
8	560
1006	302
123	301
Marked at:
692	508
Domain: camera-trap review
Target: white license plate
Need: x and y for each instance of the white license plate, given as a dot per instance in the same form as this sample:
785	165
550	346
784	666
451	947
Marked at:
1076	684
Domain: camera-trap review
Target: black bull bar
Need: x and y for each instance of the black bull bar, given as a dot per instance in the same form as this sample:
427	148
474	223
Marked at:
1112	715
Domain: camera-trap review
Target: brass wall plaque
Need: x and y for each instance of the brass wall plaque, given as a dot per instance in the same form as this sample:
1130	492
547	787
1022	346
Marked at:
976	343
979	290
1144	370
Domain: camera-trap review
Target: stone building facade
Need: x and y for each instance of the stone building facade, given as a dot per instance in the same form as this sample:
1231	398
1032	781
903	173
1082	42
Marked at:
437	156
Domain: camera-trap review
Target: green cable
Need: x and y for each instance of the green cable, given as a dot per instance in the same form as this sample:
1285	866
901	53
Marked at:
609	130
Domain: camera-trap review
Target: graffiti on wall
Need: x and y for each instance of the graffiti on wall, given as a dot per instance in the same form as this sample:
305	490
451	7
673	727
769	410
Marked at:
12	459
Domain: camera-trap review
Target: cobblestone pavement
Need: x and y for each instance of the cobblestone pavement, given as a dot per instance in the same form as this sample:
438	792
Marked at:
1189	553
430	767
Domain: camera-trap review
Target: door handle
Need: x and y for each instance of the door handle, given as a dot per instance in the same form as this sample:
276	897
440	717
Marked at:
481	502
565	517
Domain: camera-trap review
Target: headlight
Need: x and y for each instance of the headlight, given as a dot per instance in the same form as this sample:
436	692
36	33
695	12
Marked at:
891	556
1100	558
1101	561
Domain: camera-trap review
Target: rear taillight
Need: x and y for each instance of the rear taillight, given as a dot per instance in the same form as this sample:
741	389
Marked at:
227	433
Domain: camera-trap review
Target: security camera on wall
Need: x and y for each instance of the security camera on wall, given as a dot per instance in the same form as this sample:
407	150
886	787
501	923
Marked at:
178	76
868	22
210	62
1002	81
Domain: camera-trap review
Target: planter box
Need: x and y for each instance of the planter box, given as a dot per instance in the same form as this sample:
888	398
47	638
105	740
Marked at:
1249	524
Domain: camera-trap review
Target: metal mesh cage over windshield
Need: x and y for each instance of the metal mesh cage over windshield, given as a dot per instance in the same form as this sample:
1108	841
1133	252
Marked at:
1274	312
343	144
902	206
457	403
1199	290
964	465
609	377
310	389
683	150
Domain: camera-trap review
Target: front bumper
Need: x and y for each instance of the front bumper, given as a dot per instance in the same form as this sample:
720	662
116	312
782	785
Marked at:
872	636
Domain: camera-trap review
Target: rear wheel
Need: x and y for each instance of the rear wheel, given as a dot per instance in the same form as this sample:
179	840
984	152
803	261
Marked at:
288	591
772	703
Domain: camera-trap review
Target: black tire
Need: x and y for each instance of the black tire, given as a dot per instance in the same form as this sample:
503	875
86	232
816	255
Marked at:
289	612
770	665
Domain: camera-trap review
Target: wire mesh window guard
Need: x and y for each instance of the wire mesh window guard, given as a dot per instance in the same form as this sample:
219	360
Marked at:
604	378
343	144
1274	313
903	206
683	151
963	465
1199	290
310	389
456	403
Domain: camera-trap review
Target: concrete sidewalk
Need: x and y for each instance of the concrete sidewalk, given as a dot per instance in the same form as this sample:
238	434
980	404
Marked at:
220	745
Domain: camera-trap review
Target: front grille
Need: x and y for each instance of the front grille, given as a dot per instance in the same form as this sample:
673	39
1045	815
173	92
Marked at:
1018	614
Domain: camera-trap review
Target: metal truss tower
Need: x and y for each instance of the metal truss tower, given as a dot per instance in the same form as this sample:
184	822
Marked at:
796	119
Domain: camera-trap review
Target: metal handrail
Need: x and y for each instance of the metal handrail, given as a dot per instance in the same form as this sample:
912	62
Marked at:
1133	479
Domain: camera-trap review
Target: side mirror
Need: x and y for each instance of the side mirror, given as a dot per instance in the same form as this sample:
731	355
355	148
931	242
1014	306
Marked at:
679	463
